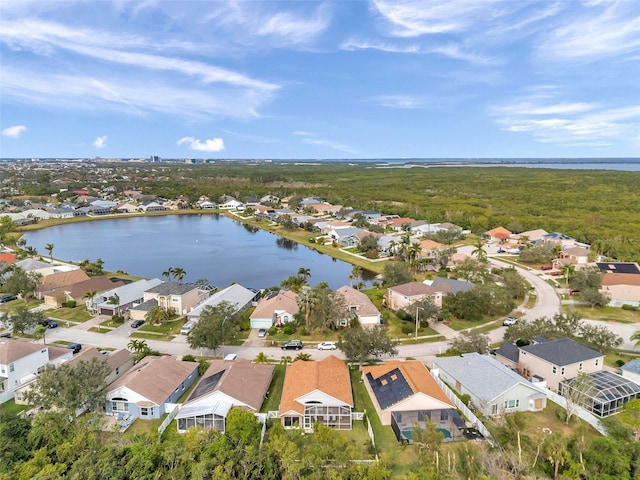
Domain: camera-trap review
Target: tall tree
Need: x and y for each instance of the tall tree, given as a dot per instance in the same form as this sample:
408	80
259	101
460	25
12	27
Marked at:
88	297
217	325
355	274
71	387
22	283
479	251
168	273
178	273
305	273
49	248
24	319
115	300
359	344
567	270
395	273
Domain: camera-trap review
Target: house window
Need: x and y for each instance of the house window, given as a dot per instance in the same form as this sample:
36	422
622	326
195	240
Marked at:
444	415
580	367
146	411
11	367
512	403
175	299
554	369
292	422
120	405
562	371
2	387
597	361
354	310
117	370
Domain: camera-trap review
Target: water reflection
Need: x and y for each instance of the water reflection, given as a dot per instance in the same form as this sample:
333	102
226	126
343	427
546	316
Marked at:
286	243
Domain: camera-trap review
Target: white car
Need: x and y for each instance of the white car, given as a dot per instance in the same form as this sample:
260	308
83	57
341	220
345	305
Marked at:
509	321
327	346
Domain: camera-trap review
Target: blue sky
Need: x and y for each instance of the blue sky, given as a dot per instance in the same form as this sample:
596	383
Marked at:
321	80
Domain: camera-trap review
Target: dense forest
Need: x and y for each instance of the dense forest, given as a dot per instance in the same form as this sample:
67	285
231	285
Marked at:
588	205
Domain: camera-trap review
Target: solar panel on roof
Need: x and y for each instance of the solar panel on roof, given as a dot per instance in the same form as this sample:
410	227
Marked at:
390	388
207	385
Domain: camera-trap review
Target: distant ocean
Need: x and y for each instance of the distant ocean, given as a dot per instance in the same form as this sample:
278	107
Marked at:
623	164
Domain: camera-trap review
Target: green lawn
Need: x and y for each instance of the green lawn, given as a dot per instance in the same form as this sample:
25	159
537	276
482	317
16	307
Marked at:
611	314
77	314
460	325
531	301
172	328
12	408
145	426
275	390
152	336
402	459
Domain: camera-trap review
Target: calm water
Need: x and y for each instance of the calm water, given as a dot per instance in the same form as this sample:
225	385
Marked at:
205	246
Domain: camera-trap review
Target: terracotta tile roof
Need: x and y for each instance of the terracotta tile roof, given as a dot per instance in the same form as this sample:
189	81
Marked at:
62	279
353	297
416	375
155	377
330	375
413	288
285	300
12	350
620	279
498	232
242	380
7	257
431	245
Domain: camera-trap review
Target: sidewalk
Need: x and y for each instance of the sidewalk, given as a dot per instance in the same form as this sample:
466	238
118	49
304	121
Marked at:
448	332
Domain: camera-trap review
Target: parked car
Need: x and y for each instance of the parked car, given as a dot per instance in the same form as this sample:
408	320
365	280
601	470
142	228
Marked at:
137	323
49	323
545	267
187	327
555	273
76	347
292	345
262	332
7	298
509	321
500	250
327	346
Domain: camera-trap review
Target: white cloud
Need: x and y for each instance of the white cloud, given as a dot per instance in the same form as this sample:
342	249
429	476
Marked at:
570	123
14	131
605	30
302	133
355	44
322	142
294	28
209	145
398	101
100	142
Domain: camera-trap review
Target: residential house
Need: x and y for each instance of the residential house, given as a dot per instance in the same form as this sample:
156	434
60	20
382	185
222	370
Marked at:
498	234
272	199
405	396
575	255
561	239
127	208
622	289
317	392
360	306
277	309
21	362
450	285
150	387
431	249
94	211
63	212
557	360
126	297
325	208
399	224
619	267
119	362
239	297
152	206
631	370
225	385
232	204
494	388
208	205
60	280
531	236
57	296
180	298
348	237
7	257
405	295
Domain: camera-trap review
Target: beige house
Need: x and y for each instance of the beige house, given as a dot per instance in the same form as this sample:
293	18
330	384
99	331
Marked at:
278	310
622	288
557	360
60	280
57	296
179	297
396	386
360	306
430	248
405	295
576	255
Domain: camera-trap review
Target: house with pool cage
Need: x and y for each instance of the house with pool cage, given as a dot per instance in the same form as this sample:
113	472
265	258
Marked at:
405	396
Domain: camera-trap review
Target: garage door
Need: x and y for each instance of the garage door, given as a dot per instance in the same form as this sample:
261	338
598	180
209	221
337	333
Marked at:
261	323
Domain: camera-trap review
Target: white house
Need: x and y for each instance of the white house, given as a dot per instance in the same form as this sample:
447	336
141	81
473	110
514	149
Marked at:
237	295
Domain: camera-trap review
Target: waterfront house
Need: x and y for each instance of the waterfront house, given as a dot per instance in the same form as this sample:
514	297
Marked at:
239	297
360	306
405	295
275	309
126	297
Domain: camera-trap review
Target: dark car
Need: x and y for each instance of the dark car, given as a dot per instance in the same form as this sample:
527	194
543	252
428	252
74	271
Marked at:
76	347
137	323
292	345
7	298
49	323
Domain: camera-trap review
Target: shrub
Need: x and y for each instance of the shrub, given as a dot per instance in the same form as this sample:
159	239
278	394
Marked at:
188	358
288	329
465	398
403	315
620	362
407	328
272	331
632	308
69	304
117	319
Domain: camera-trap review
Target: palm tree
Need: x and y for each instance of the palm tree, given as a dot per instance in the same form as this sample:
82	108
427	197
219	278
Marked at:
49	248
479	252
285	360
261	358
115	300
393	248
138	346
30	251
153	315
41	332
305	357
636	338
168	273
305	273
356	271
568	269
414	250
89	296
178	273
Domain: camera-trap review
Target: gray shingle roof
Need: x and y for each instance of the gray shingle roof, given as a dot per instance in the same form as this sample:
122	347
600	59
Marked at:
482	375
453	285
561	352
172	288
632	366
510	351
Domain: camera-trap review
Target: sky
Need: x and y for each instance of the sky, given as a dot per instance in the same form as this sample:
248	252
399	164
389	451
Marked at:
303	79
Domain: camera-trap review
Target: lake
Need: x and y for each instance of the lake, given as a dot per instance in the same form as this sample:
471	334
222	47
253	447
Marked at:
206	246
